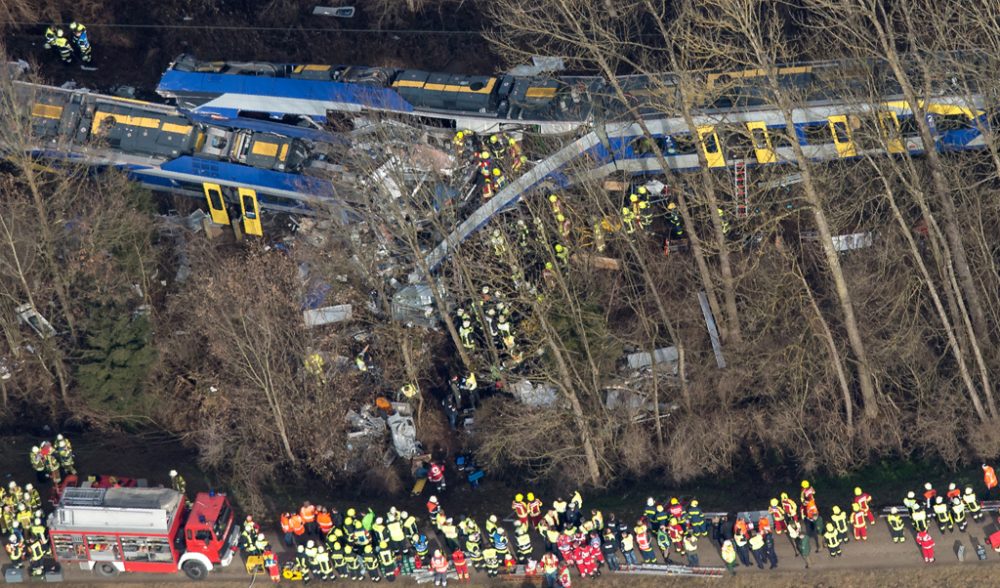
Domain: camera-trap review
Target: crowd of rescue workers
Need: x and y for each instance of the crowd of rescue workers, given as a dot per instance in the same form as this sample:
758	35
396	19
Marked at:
327	544
359	544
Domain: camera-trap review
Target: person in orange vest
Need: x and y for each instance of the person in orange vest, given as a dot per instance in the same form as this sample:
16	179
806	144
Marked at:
461	566
433	507
929	495
807	495
534	509
520	508
864	502
565	580
778	514
324	521
990	478
439	565
764	525
271	564
859	523
308	514
286	530
298	527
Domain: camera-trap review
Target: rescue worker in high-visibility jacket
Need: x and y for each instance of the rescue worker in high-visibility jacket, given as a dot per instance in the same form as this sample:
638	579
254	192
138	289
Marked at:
36	552
387	561
522	541
50	37
61	43
942	514
15	550
972	504
355	565
696	519
323	564
919	517
370	560
839	520
338	560
832	538
958	514
895	522
81	41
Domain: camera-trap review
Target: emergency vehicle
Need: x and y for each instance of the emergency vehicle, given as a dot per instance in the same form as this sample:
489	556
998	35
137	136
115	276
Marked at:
113	530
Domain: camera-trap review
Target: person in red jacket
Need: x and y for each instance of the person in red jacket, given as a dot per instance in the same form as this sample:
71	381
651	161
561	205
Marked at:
435	475
461	566
864	502
439	565
578	559
926	543
564	578
859	523
271	564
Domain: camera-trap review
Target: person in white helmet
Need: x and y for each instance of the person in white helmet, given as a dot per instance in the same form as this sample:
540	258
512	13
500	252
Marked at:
177	481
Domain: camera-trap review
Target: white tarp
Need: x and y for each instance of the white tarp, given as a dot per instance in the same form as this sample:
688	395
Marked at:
644	359
328	314
852	241
533	395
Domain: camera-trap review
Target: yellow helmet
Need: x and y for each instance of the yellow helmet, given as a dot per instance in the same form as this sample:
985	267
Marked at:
642	189
560	217
494	139
694	502
857	491
836	510
855	507
674	501
485	155
531	496
553	198
633	198
805	484
496	171
774	502
519	497
625	210
671	206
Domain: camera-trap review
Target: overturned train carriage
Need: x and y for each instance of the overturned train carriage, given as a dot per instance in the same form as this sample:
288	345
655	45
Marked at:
240	167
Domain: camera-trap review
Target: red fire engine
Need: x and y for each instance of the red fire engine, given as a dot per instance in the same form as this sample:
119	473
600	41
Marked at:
112	530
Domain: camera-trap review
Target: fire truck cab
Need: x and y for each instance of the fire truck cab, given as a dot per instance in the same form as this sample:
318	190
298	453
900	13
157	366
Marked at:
113	530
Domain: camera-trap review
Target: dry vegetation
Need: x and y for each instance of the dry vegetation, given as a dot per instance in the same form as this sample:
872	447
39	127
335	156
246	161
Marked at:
834	358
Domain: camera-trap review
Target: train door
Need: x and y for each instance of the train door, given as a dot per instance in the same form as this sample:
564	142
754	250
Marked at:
842	136
761	142
216	203
889	125
251	212
710	146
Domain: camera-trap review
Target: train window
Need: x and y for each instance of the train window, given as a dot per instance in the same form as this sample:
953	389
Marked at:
817	133
840	131
951	122
779	139
759	138
683	144
741	143
711	144
643	146
908	126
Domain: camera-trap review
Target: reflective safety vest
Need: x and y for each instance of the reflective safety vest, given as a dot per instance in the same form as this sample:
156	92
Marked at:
919	516
325	522
323	562
550	564
490	557
839	521
387	559
36	550
895	522
832	539
395	529
757	542
371	562
308	514
295	522
957	509
858	520
535	507
941	512
642	540
971	503
439	564
286	527
523	542
728	553
15	551
520	509
473	550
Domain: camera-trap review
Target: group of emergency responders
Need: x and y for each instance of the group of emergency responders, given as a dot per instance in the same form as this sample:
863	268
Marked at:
362	543
55	38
